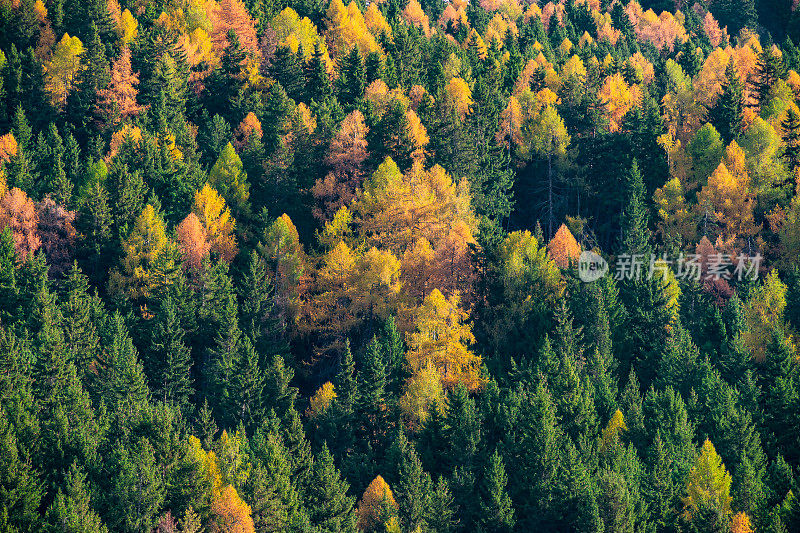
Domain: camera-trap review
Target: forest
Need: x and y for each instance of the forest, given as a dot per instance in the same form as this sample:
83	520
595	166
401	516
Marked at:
313	267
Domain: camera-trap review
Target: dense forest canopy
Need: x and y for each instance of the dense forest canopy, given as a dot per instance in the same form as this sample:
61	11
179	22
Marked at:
308	266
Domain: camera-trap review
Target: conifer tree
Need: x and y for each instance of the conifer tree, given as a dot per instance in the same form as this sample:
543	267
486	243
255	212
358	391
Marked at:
122	381
227	176
728	112
330	508
708	484
634	217
497	512
169	363
73	509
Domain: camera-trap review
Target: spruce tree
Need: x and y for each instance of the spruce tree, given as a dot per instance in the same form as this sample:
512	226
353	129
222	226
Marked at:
318	85
791	136
330	508
727	113
287	70
73	509
170	360
497	512
634	216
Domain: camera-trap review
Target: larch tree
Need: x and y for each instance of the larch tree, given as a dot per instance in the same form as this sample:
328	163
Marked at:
708	483
192	241
443	339
117	102
230	513
228	177
549	139
57	234
369	508
214	215
18	213
227	15
346	156
63	68
764	312
148	256
563	248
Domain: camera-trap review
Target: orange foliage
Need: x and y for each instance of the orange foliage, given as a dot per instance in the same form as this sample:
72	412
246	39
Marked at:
18	212
716	35
57	235
414	14
118	101
231	15
192	242
346	155
230	513
563	248
249	126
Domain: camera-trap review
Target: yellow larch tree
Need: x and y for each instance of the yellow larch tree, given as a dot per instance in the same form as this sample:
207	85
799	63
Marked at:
730	197
63	68
219	224
148	256
460	96
763	313
321	400
442	339
369	508
619	98
708	483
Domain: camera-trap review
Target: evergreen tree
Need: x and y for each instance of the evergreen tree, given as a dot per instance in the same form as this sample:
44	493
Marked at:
727	112
170	360
73	508
497	512
330	508
634	217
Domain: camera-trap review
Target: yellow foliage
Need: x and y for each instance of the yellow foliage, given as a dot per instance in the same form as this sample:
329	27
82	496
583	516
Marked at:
141	269
461	95
63	68
612	430
763	313
218	222
369	507
321	400
414	15
708	483
375	21
442	340
292	31
347	28
423	392
127	27
619	98
740	523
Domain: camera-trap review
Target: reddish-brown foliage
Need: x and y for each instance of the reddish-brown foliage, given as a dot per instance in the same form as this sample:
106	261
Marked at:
57	235
118	101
